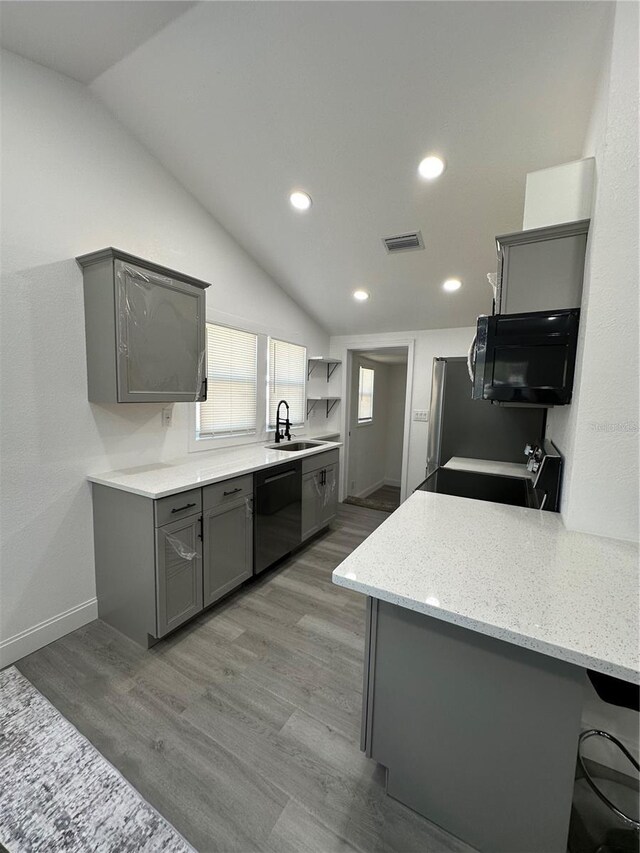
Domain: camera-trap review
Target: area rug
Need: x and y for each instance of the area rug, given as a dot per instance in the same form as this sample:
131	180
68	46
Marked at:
372	503
57	793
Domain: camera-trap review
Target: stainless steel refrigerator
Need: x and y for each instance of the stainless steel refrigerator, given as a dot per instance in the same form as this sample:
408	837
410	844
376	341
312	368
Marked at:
461	426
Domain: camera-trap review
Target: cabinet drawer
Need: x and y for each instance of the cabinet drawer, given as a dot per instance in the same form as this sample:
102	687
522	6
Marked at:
320	460
218	494
178	506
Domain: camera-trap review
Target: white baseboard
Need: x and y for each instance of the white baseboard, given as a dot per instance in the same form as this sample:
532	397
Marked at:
395	483
16	647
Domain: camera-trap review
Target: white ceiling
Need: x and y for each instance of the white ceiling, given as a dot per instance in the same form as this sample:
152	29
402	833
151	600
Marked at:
243	102
82	39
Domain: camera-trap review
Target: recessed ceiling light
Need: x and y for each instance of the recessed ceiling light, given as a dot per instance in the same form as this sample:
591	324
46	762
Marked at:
431	167
300	200
452	284
360	295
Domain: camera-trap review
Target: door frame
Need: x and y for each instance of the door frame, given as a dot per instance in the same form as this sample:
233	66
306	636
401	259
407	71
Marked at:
357	345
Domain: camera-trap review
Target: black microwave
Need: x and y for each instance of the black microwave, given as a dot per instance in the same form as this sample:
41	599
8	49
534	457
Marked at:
525	358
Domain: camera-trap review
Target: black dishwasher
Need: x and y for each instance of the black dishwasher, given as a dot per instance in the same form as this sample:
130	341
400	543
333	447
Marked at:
277	513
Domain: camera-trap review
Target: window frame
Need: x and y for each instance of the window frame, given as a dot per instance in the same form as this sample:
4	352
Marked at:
305	362
233	435
368	420
263	434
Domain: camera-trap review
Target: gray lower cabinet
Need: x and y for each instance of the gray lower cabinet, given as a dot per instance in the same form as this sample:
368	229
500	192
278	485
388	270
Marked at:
145	331
477	735
319	492
160	562
179	573
228	548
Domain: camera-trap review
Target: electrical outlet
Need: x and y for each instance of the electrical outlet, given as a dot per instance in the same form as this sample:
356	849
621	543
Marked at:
420	415
167	414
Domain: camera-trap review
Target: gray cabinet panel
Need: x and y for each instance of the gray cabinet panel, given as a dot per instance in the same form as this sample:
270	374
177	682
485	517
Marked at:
178	506
160	342
319	498
228	548
227	492
145	331
478	735
311	495
178	573
319	460
329	507
541	269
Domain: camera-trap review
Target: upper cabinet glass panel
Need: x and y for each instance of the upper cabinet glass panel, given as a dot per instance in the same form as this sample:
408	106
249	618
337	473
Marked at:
145	328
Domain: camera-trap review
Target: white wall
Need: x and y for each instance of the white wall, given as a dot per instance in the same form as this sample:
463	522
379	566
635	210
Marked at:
598	432
74	181
429	343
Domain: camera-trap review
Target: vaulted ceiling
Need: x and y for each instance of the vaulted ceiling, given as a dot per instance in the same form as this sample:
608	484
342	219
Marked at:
244	102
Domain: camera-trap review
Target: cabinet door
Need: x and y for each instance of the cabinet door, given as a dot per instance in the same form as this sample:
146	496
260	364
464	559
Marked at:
228	548
329	495
311	503
178	573
160	331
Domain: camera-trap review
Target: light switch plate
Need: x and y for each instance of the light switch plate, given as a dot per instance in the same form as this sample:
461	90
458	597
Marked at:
420	415
167	414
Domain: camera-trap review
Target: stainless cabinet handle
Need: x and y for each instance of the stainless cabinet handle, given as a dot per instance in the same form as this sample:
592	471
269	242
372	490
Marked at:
181	508
232	491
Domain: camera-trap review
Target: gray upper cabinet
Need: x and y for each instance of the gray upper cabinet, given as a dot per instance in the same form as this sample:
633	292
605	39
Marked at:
145	331
541	269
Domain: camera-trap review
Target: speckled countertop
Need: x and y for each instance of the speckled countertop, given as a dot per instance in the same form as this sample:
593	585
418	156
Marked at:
488	466
201	469
512	573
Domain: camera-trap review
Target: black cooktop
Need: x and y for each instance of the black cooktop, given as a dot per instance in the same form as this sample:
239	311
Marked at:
515	491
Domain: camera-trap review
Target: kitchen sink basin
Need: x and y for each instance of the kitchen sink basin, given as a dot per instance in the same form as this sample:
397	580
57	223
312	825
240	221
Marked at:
295	446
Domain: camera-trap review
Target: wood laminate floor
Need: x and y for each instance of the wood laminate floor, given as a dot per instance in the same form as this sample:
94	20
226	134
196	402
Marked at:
242	728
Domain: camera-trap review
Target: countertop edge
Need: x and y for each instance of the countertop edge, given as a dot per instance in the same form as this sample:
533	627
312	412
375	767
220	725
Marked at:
103	479
513	637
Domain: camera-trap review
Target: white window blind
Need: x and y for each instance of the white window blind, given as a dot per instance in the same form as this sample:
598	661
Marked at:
287	378
232	376
365	395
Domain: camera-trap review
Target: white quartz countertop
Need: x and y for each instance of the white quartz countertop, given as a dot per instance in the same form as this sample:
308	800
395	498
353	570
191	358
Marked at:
508	572
488	466
200	469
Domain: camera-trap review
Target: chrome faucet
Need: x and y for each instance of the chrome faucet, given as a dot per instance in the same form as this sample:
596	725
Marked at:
286	422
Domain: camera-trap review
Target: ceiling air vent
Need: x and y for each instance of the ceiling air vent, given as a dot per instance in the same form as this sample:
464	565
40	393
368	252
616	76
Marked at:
404	242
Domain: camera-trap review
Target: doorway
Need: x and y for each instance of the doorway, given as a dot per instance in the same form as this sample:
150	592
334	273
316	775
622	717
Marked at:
375	432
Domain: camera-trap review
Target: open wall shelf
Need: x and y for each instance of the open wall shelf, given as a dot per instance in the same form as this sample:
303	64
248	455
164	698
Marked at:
329	363
330	402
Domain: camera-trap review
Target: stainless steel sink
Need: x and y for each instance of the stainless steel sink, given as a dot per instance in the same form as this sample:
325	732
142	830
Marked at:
295	446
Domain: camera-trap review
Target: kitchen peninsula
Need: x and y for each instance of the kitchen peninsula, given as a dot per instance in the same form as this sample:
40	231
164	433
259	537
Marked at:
482	619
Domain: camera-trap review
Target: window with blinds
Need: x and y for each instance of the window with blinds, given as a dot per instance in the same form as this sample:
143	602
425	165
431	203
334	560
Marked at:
365	395
231	405
287	378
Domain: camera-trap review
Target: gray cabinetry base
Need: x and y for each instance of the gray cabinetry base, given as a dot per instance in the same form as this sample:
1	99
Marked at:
124	541
478	735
